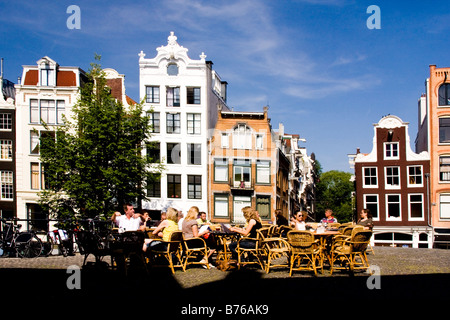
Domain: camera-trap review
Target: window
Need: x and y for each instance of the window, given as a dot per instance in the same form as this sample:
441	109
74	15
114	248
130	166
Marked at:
263	206
47	111
193	123
259	142
154	152
242	137
60	111
393	206
240	202
370	177
151	94
392	177
173	123
194	187
415	206
444	130
221	205
242	173
194	152
35	173
172	69
371	203
262	171
6	149
220	170
7	185
34	142
154	185
444	94
444	168
444	206
193	95
391	150
34	139
415	178
47	75
173	97
174	186
5	121
173	153
34	111
154	120
224	140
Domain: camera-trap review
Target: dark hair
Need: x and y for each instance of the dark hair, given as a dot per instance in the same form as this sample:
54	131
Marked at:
369	214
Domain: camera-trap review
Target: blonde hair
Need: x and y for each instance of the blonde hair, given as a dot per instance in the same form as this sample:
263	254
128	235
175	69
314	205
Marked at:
192	213
249	214
172	214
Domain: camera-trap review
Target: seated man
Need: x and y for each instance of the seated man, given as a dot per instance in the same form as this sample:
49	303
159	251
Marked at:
129	221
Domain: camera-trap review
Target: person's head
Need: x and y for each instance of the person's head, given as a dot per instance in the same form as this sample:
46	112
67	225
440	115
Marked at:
172	214
247	212
192	213
328	213
301	215
365	213
203	216
145	214
278	212
128	209
163	215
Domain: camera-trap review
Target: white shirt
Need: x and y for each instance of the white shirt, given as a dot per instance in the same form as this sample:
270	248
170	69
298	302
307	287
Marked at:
300	225
131	224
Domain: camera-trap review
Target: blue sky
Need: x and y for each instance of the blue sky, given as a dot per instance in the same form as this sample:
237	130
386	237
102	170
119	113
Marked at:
323	73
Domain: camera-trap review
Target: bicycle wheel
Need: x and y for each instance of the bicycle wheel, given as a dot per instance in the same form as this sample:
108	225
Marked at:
28	245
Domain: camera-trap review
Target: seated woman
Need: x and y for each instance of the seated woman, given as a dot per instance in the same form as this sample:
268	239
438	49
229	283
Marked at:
253	224
165	229
190	230
365	219
298	222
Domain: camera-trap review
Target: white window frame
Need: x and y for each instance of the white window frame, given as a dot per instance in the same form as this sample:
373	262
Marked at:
414	185
388	218
445	217
7	184
364	178
6	150
409	207
225	140
375	215
392	186
390	151
242	137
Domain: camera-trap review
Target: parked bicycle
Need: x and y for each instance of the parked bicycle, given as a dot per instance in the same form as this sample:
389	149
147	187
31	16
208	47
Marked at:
13	242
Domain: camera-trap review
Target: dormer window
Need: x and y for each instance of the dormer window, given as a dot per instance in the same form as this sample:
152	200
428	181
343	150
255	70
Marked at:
172	69
47	75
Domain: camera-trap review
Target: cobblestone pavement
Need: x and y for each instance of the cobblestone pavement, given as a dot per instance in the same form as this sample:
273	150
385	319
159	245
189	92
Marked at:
406	274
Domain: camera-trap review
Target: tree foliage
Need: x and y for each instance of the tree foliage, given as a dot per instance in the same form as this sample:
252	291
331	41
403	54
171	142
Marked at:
334	191
94	162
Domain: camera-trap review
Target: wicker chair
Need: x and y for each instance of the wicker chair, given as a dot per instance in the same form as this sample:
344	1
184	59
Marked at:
305	253
194	249
173	249
250	255
273	250
350	252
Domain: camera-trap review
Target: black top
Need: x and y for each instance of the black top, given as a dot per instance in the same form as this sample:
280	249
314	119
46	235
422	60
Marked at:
253	233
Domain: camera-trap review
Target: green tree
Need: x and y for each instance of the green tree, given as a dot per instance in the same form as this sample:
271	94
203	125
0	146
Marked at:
334	191
94	163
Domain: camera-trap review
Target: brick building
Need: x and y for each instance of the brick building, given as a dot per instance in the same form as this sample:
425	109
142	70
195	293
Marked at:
392	182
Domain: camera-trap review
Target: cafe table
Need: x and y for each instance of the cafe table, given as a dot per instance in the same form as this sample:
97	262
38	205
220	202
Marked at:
324	240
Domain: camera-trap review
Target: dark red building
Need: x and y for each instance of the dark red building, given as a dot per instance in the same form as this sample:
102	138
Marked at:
393	182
